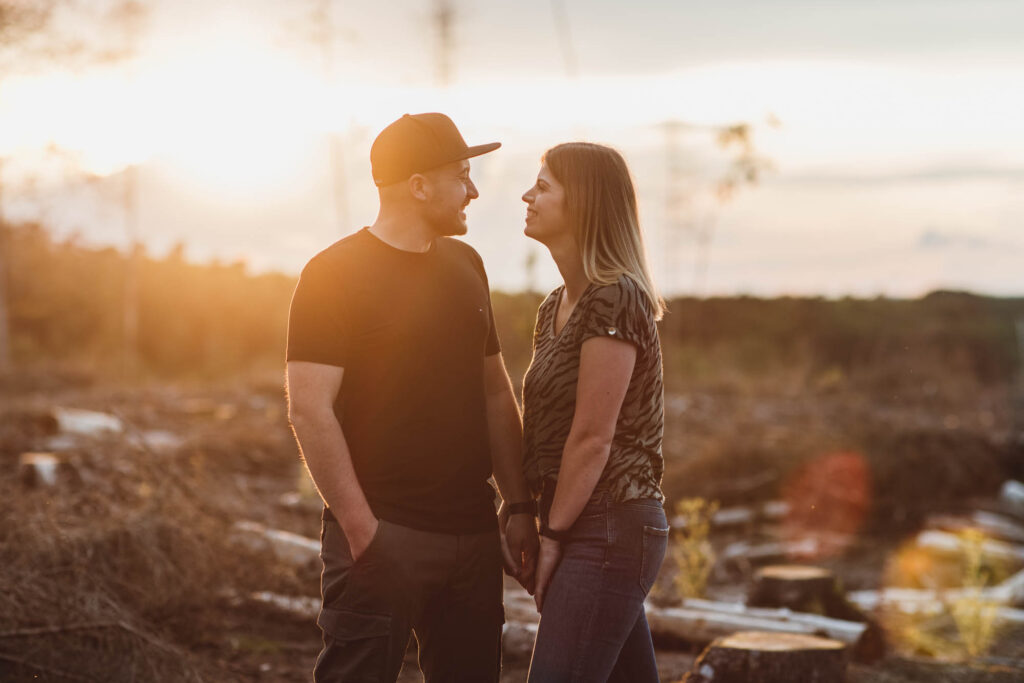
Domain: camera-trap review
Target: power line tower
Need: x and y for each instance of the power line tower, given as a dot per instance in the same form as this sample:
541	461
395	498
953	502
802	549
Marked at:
444	24
690	213
5	329
324	36
560	16
678	199
130	14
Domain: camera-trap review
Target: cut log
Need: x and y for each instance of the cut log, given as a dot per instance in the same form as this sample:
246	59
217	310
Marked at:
1011	498
813	590
800	588
1010	591
757	657
301	606
702	621
287	546
809	547
742	516
86	422
954	545
995	526
38	469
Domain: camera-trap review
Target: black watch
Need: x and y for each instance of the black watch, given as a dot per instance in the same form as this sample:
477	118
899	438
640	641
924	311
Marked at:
527	507
560	536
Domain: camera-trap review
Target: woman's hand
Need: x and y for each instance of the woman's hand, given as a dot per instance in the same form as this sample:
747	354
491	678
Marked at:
547	562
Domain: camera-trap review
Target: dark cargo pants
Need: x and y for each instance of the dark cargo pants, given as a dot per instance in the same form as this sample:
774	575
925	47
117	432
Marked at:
445	588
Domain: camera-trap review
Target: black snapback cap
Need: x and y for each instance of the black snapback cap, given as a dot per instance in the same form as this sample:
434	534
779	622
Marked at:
417	143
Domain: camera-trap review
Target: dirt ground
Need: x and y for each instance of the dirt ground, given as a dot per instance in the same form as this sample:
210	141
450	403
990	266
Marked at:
193	459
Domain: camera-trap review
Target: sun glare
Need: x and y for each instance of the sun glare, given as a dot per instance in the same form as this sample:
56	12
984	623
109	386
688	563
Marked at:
235	117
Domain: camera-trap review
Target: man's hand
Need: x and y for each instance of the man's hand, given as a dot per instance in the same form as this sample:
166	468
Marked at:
518	534
521	535
360	536
547	562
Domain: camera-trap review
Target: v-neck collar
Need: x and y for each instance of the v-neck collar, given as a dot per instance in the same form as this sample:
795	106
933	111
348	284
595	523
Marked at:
558	305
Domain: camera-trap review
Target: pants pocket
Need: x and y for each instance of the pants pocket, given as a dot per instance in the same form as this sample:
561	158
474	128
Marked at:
356	645
655	541
372	547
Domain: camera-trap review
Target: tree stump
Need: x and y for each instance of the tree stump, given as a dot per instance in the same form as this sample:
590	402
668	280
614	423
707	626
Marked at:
813	590
802	589
761	657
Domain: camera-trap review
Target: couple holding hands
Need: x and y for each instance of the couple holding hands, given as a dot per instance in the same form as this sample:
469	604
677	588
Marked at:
403	410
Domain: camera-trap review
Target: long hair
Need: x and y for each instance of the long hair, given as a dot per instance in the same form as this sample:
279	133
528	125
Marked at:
601	203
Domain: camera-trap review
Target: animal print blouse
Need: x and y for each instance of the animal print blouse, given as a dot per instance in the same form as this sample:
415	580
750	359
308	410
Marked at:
621	311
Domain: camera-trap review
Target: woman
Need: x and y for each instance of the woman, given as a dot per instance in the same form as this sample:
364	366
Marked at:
593	423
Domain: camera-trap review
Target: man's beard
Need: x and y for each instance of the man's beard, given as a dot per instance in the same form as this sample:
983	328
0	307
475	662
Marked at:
448	225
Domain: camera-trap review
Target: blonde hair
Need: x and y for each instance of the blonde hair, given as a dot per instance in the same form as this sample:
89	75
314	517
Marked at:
601	203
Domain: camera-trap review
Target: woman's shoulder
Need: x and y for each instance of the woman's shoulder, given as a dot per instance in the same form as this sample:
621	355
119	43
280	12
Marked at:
624	295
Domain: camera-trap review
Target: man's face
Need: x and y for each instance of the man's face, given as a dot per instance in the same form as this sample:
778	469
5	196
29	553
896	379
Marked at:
451	192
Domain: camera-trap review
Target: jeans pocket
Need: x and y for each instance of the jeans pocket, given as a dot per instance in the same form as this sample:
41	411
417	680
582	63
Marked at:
655	542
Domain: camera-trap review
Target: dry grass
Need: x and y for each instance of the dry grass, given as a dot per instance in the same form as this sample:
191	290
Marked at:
124	571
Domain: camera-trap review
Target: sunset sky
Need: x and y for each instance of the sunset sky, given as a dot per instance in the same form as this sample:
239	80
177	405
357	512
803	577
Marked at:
895	130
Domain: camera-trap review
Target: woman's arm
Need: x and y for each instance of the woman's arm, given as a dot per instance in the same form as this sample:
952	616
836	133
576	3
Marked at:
606	366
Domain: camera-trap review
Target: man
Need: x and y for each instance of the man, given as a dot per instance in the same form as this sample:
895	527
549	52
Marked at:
402	408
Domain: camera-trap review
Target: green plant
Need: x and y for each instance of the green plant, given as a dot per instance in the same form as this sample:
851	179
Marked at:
973	614
692	550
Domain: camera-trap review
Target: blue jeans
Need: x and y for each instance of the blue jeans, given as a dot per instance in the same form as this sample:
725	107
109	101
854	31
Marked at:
593	626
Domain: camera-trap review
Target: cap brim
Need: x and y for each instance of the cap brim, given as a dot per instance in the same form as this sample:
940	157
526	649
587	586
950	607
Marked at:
477	150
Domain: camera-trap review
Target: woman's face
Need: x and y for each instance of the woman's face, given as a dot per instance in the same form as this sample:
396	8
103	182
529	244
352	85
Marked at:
546	217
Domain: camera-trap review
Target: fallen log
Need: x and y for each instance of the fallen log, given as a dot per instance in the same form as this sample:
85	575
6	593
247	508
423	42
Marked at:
809	547
1011	498
814	590
741	516
702	621
932	602
287	546
756	657
995	526
86	422
952	544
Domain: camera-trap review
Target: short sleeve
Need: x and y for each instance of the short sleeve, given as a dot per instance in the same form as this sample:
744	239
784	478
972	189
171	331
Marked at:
616	311
317	329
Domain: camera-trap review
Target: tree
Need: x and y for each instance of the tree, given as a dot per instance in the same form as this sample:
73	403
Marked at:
35	35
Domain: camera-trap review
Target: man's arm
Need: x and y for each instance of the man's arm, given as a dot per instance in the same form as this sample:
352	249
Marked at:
312	388
505	429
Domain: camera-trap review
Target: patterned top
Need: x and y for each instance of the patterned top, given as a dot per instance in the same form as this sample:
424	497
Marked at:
621	311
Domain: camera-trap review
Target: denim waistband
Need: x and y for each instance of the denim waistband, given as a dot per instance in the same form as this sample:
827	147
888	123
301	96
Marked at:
599	500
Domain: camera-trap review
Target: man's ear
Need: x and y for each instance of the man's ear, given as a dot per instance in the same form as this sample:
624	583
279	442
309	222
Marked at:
419	187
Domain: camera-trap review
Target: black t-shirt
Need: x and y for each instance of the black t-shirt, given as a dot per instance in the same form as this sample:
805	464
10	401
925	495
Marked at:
411	331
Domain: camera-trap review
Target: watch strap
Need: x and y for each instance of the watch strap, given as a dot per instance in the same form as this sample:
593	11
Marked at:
527	507
560	536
